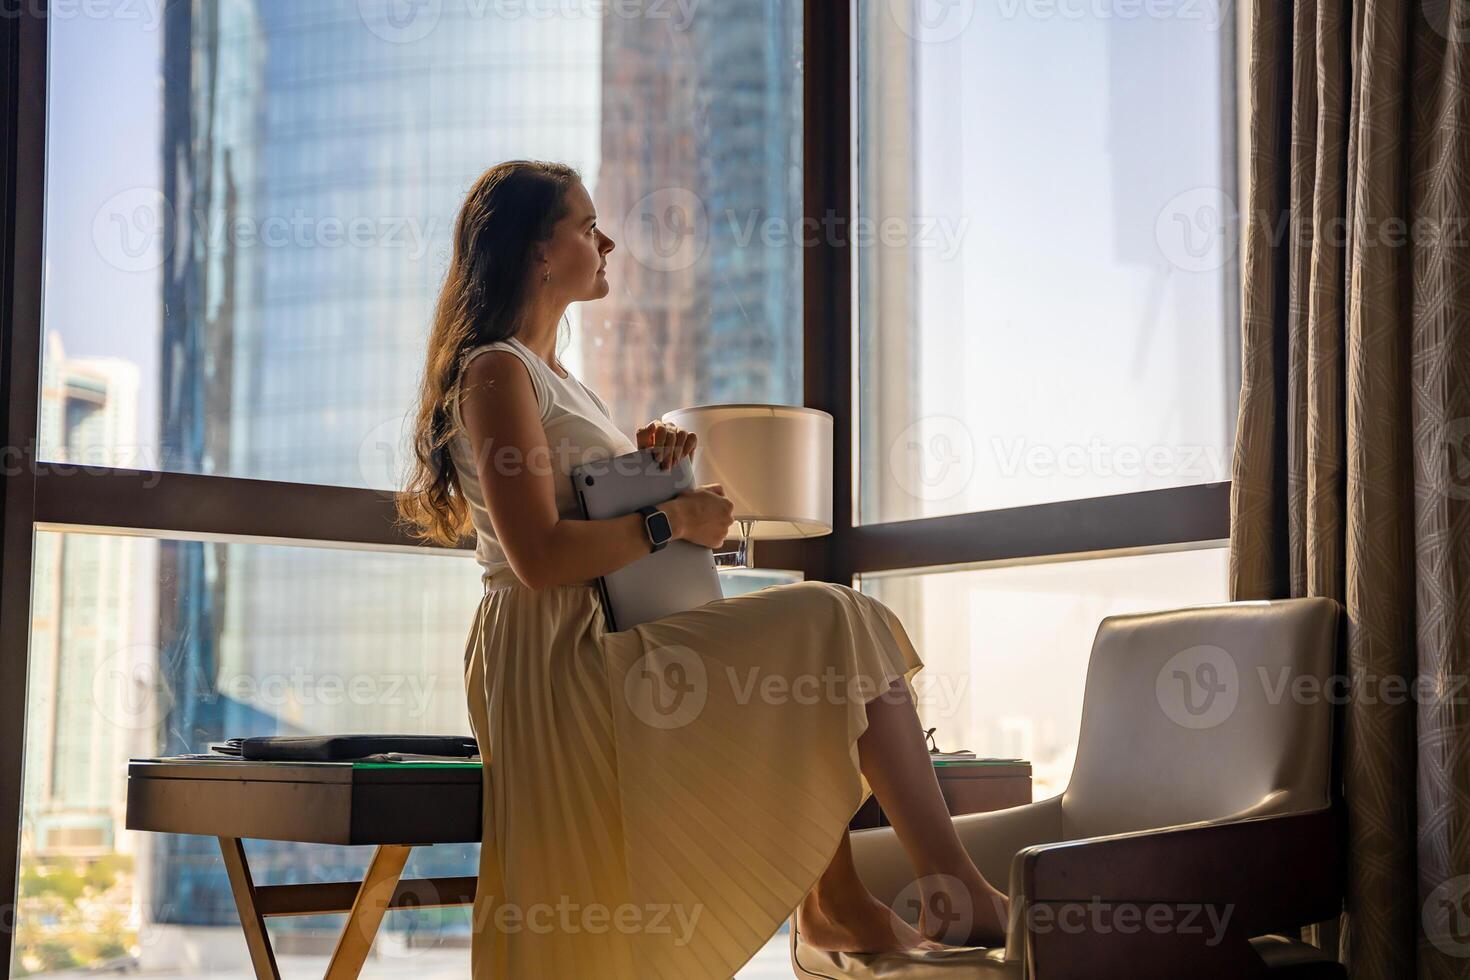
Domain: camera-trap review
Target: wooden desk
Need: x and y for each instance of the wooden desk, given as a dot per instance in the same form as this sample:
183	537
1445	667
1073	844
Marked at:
968	787
395	806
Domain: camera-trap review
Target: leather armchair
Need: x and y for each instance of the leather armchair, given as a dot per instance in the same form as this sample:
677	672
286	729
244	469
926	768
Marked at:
1202	818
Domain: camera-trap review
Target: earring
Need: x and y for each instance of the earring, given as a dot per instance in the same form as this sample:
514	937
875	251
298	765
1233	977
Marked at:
545	273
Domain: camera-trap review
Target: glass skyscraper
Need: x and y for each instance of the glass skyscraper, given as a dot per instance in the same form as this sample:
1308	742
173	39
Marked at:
701	167
82	725
314	158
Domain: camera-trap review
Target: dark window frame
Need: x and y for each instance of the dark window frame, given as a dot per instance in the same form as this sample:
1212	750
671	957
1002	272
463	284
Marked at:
52	496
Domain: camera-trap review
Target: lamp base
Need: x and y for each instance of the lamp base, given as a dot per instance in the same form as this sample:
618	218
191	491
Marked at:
741	557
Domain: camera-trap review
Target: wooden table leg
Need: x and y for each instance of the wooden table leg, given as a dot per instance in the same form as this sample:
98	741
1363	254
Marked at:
256	938
378	884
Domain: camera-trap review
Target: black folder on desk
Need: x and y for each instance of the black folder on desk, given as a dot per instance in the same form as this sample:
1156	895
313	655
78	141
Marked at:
343	748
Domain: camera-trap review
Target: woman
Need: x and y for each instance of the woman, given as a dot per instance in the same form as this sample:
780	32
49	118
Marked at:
655	806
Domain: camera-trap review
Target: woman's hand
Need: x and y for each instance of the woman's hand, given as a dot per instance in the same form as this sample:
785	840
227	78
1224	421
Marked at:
702	515
668	442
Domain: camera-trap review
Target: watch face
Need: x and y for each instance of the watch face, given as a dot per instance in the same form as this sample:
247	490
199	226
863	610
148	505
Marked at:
658	527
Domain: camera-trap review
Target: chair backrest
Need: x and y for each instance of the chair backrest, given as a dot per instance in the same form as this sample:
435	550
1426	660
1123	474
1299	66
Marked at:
1205	713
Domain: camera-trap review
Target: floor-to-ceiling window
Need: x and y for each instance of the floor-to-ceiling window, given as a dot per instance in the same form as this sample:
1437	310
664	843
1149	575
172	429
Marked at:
1046	315
248	209
1024	322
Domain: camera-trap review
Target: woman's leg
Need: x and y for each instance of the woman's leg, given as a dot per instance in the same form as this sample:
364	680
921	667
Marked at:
840	914
959	905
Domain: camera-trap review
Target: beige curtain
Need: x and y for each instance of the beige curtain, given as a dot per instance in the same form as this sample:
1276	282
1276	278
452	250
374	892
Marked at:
1352	460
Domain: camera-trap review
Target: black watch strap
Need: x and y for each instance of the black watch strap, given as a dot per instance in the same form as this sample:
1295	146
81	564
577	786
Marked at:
657	545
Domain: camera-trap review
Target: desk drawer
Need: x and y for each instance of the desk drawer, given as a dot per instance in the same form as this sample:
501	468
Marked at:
326	804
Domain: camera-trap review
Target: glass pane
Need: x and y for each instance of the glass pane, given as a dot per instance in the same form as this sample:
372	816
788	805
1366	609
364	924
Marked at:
254	264
1005	649
735	582
141	648
1046	259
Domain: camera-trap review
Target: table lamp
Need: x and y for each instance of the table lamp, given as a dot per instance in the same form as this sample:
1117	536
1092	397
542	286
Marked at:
774	462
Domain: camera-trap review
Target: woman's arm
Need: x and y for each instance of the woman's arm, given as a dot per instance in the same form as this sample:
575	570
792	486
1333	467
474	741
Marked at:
515	469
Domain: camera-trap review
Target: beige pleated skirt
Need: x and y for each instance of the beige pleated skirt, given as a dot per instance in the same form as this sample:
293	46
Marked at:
658	800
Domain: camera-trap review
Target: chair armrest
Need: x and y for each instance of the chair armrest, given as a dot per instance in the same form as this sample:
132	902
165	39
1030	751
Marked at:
1238	877
1281	871
992	840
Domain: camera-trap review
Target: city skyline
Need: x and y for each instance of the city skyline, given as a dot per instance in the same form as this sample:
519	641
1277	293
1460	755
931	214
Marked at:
84	660
297	362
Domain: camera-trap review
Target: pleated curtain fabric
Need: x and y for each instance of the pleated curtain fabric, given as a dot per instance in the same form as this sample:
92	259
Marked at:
1351	475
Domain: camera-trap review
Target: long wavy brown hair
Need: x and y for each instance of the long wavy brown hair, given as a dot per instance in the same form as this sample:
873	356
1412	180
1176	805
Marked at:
512	206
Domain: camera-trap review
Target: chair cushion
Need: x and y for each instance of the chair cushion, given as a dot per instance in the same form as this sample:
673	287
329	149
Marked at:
952	963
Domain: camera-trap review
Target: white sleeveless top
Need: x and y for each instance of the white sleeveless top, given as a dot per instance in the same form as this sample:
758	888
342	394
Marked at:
578	427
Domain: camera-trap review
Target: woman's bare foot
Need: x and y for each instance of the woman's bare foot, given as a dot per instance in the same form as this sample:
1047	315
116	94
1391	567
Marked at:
959	913
861	925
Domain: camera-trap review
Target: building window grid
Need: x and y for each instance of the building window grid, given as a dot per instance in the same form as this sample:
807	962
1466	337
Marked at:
312	587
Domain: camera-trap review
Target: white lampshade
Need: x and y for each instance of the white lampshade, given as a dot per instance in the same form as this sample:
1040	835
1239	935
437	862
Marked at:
774	462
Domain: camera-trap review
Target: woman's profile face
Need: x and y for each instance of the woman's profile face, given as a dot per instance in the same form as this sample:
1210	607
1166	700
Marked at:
576	255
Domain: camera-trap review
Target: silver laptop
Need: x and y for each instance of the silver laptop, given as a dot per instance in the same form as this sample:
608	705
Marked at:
682	575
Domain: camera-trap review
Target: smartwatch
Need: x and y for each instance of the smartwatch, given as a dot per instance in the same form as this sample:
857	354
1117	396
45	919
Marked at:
656	524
